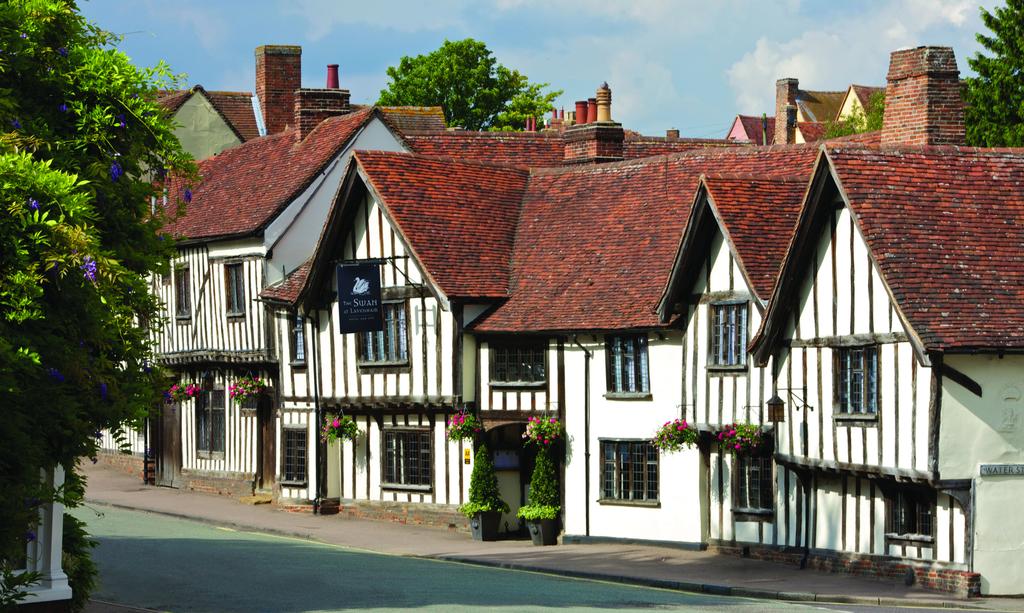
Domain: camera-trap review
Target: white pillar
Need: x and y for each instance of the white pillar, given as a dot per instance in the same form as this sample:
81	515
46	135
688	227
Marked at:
45	556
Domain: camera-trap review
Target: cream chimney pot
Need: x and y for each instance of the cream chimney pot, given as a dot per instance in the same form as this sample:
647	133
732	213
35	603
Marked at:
604	103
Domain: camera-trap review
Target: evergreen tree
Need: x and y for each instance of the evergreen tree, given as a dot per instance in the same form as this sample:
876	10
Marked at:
543	489
994	112
483	486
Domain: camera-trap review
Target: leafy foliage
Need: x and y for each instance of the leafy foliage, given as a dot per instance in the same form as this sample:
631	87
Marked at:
79	131
483	487
675	435
742	438
543	431
994	110
465	79
343	428
859	120
543	490
463	426
77	562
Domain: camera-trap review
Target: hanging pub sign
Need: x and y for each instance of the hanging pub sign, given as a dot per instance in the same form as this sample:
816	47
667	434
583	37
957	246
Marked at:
359	298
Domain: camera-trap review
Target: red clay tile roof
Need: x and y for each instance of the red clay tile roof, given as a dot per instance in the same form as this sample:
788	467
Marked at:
525	149
286	291
812	130
946	228
758	214
234	107
595	245
414	118
459	217
648	146
864	93
752	126
244	187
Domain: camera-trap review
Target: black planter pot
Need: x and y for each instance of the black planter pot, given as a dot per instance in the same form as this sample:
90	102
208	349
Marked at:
543	531
485	526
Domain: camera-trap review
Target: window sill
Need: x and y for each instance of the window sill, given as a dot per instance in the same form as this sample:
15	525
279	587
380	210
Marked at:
629	396
756	515
518	384
909	539
297	365
614	502
285	483
863	419
210	455
369	368
727	370
231	316
183	319
398	487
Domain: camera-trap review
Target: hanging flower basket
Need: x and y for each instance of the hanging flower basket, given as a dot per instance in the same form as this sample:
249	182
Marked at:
246	389
544	431
181	392
675	436
462	426
343	428
742	438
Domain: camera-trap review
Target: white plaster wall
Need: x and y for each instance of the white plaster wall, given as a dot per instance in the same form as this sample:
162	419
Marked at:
291	237
201	129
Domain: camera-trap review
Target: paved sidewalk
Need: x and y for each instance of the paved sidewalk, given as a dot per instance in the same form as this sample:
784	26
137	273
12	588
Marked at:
693	571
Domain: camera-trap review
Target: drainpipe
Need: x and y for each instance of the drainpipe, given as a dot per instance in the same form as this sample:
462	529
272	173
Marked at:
318	452
586	432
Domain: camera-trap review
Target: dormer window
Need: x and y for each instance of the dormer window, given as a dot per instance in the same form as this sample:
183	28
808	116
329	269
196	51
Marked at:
728	345
855	373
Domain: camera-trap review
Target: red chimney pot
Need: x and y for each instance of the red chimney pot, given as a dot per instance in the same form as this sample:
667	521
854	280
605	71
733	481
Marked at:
581	112
591	110
332	76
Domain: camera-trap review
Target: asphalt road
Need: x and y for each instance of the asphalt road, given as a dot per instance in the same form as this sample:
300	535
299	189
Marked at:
171	564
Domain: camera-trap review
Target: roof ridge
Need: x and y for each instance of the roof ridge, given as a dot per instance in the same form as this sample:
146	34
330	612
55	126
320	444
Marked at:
445	158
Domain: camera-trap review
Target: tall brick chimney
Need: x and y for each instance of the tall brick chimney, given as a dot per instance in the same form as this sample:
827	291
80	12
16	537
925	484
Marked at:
785	118
278	75
922	98
600	140
315	105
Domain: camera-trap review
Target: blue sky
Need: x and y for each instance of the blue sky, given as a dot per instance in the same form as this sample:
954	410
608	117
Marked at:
686	64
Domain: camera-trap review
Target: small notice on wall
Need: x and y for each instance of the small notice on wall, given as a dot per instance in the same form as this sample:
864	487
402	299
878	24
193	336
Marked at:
1002	470
465	456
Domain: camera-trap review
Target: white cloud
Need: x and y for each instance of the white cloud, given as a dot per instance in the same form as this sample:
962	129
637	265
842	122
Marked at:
207	25
854	50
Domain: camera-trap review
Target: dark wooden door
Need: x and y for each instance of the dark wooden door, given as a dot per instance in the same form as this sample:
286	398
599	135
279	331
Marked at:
168	455
267	437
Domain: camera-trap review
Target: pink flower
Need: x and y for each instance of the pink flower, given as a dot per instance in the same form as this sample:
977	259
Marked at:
553	420
680	428
721	435
737	445
732	433
336	423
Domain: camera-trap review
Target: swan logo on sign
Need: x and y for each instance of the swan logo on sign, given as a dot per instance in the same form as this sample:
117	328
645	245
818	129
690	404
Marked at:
359	301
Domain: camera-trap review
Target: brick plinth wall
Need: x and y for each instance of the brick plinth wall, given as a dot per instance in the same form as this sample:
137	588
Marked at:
415	513
929	575
594	143
922	99
236	487
315	105
129	463
278	75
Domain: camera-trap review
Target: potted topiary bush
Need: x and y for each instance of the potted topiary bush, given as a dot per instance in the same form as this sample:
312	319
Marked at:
485	505
541	515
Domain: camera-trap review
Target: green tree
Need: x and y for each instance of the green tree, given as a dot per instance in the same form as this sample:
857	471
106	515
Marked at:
80	138
475	91
484	495
859	120
994	110
543	489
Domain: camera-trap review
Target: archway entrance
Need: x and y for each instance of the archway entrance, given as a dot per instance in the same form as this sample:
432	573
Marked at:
513	464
